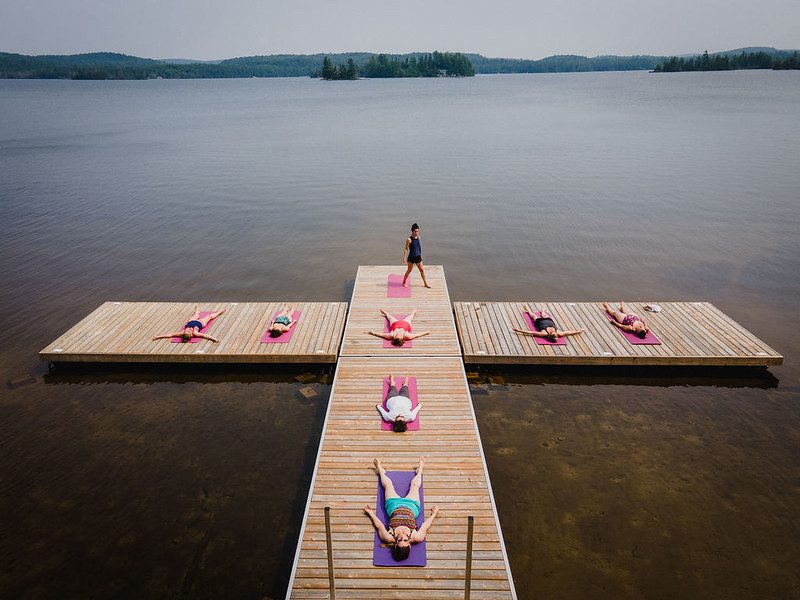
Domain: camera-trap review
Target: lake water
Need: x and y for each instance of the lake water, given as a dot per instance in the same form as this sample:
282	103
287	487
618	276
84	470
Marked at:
135	481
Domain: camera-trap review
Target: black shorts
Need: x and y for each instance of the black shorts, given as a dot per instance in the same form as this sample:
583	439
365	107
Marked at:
415	259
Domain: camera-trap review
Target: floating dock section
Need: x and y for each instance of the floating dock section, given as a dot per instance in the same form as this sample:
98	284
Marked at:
123	332
691	334
456	477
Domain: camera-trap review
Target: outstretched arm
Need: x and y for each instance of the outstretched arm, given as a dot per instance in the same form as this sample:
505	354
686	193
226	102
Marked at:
376	522
420	534
531	333
570	332
385	336
418	335
627	328
415	412
169	335
386	416
207	337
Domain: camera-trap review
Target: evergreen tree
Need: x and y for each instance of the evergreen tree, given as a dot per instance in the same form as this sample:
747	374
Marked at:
328	70
352	69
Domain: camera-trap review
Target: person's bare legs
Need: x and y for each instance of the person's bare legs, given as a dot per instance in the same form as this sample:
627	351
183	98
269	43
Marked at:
410	317
210	317
388	486
389	317
422	272
408	272
416	483
618	316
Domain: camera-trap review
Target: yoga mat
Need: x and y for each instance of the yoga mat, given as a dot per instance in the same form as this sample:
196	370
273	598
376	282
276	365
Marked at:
388	343
412	393
395	289
649	340
542	341
195	340
382	556
286	336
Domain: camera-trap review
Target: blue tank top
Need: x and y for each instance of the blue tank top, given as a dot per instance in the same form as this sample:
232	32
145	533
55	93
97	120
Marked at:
415	249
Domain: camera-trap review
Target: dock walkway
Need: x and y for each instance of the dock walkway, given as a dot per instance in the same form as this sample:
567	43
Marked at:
456	477
123	332
691	333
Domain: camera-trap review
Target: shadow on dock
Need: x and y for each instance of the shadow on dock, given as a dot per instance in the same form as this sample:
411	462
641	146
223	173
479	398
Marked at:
723	377
99	373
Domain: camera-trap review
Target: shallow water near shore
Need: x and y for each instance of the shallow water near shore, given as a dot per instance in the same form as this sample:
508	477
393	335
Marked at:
136	481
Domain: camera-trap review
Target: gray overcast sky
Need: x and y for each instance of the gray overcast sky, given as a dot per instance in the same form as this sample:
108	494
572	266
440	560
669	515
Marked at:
206	29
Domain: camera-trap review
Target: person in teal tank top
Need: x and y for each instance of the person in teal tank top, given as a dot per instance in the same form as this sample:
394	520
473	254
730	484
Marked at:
282	322
412	254
401	532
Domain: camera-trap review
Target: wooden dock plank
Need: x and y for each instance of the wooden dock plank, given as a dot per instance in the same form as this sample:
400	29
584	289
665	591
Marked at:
435	314
123	331
692	333
455	479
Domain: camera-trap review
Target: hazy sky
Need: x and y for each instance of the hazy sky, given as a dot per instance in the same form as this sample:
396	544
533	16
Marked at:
206	29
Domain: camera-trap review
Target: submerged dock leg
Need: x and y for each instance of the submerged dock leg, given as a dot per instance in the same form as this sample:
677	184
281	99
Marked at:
468	575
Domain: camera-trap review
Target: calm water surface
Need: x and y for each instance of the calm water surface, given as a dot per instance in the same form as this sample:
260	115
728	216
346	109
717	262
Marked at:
133	482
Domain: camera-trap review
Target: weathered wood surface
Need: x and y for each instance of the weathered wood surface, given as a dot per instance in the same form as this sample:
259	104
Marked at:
692	333
435	314
123	331
455	479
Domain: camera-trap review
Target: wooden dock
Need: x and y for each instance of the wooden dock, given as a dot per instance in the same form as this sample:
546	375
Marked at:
123	331
692	333
456	477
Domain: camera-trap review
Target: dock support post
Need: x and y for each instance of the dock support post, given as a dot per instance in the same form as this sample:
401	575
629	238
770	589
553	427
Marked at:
329	543
468	577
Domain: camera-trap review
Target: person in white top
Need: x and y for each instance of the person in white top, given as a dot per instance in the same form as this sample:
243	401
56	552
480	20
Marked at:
399	406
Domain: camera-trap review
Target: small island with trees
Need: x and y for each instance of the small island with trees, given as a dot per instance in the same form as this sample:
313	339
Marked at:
378	66
731	61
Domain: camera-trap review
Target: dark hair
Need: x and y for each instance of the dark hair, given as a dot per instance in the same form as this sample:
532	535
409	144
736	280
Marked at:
399	426
552	336
642	333
398	341
275	333
185	337
400	552
414	226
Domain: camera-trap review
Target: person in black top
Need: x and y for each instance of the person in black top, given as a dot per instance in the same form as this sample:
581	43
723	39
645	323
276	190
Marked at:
412	254
545	326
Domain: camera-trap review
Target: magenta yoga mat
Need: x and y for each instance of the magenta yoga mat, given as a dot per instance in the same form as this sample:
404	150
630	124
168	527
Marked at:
286	336
395	289
562	341
196	340
412	394
649	340
382	555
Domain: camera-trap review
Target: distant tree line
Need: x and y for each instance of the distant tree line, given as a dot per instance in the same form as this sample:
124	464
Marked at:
729	62
346	70
437	64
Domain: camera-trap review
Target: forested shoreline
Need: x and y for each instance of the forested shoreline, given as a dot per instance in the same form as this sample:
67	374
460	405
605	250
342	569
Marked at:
730	62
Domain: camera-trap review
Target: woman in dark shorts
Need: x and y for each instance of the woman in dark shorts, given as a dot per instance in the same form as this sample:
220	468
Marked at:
545	326
412	254
193	327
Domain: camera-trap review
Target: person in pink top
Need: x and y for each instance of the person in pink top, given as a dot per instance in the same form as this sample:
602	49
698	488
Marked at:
626	321
399	329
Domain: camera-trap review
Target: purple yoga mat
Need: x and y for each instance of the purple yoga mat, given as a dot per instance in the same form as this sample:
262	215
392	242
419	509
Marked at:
382	556
649	340
412	393
286	336
395	289
388	343
196	340
541	341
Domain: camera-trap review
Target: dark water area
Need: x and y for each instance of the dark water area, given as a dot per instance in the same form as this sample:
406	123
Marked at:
140	481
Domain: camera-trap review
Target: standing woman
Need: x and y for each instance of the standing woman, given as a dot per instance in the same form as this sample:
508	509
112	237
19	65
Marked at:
412	254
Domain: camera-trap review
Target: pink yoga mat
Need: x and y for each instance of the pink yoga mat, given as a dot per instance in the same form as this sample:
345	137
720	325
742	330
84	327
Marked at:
412	394
286	336
649	340
388	343
196	340
395	289
541	341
